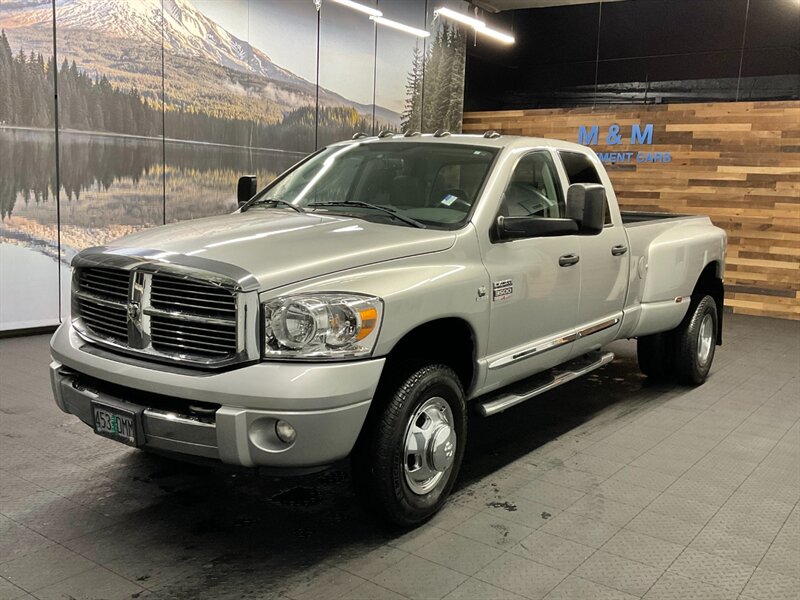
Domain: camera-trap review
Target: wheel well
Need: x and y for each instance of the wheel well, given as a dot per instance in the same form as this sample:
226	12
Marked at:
448	341
710	283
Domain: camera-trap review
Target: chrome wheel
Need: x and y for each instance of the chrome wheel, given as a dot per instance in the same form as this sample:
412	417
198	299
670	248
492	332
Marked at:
705	340
430	445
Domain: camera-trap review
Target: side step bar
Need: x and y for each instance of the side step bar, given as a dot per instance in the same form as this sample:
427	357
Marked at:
526	389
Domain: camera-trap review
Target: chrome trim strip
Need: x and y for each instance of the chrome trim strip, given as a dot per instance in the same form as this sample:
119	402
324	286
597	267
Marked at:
179	316
154	261
99	300
552	343
597	327
500	404
536	348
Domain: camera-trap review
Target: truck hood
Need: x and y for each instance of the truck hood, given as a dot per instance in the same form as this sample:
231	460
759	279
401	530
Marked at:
279	247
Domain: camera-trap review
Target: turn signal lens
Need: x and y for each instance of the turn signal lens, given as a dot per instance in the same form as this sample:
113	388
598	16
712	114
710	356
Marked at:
369	319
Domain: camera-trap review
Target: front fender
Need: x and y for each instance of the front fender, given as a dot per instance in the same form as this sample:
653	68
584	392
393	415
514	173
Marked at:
419	289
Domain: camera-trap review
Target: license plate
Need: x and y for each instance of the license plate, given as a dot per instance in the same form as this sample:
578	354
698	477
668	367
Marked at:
115	423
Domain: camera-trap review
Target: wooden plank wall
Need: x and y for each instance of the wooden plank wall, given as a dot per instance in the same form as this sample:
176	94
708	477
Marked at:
738	162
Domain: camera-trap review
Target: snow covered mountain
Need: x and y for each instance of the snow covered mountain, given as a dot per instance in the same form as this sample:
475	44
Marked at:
188	34
186	30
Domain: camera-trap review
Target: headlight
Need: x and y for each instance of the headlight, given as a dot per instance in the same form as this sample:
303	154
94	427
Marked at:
321	326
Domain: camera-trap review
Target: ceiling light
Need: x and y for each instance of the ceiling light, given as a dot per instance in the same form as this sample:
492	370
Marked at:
460	17
498	35
360	7
478	25
400	26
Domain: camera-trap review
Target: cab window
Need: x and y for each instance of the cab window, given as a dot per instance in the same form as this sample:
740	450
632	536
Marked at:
533	190
581	170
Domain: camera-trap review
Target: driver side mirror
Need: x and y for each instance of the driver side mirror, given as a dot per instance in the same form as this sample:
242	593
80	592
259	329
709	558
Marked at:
586	205
246	188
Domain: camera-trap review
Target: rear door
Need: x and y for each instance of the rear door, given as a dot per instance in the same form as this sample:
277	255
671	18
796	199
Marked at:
604	265
534	299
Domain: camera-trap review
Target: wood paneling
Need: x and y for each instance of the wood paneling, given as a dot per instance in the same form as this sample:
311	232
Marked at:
737	162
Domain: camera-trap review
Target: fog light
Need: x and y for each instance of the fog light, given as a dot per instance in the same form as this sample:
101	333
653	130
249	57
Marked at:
285	432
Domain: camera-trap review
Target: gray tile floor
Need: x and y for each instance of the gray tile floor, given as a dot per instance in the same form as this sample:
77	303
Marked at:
606	488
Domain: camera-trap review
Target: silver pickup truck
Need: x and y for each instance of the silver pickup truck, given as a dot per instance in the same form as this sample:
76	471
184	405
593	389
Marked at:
370	298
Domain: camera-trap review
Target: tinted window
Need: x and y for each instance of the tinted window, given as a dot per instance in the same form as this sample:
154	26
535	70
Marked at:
534	190
581	170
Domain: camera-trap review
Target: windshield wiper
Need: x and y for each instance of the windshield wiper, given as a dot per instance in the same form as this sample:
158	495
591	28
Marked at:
275	201
359	203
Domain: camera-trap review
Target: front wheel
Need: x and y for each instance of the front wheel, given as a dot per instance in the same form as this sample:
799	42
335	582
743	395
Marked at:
695	342
409	459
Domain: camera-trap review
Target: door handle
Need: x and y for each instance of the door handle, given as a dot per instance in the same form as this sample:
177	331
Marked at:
619	250
568	260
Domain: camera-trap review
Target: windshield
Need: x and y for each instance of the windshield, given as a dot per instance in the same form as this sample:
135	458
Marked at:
402	183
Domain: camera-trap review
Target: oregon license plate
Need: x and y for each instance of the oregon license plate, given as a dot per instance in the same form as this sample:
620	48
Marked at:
115	423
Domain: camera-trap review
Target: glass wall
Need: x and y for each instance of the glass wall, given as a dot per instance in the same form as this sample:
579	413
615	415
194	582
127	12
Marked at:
163	104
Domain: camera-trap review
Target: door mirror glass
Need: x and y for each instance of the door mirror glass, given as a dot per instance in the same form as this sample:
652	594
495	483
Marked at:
246	189
511	228
586	205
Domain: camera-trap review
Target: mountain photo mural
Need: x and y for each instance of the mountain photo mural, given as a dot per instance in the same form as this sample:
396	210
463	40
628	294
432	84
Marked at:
163	104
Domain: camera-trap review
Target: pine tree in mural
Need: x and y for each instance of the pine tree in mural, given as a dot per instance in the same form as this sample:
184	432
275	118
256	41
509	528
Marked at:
411	119
437	103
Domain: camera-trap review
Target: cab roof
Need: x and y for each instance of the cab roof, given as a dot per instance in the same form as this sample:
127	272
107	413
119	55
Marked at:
476	139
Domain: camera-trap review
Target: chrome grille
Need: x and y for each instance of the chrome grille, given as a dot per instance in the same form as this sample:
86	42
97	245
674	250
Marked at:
174	335
172	293
106	283
101	302
160	314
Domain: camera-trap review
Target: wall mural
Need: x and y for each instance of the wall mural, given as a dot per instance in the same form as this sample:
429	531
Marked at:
163	104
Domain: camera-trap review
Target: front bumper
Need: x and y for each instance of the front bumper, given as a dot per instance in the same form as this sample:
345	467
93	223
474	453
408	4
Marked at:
327	404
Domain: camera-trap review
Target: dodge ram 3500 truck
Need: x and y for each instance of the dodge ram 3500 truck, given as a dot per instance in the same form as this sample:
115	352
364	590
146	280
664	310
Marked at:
364	300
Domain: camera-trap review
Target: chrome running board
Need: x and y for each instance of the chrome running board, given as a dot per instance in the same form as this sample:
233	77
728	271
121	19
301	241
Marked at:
498	401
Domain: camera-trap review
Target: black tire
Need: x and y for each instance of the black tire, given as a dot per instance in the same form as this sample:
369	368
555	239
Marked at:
378	461
690	362
654	355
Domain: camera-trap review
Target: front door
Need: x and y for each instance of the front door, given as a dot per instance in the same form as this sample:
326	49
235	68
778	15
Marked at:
605	265
535	284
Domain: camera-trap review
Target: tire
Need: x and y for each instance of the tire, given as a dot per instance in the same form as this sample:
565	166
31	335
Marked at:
654	356
425	411
695	341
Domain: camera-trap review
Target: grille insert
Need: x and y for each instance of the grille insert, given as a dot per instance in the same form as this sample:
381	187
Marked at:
101	302
111	284
107	321
192	337
176	294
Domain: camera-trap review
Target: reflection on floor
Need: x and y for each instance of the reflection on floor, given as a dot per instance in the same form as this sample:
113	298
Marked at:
606	488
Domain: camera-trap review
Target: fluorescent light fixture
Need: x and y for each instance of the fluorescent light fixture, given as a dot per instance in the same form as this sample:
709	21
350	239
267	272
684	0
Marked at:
478	25
497	35
400	26
368	10
460	17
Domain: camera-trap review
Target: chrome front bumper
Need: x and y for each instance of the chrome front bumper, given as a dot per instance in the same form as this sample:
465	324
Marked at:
325	403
